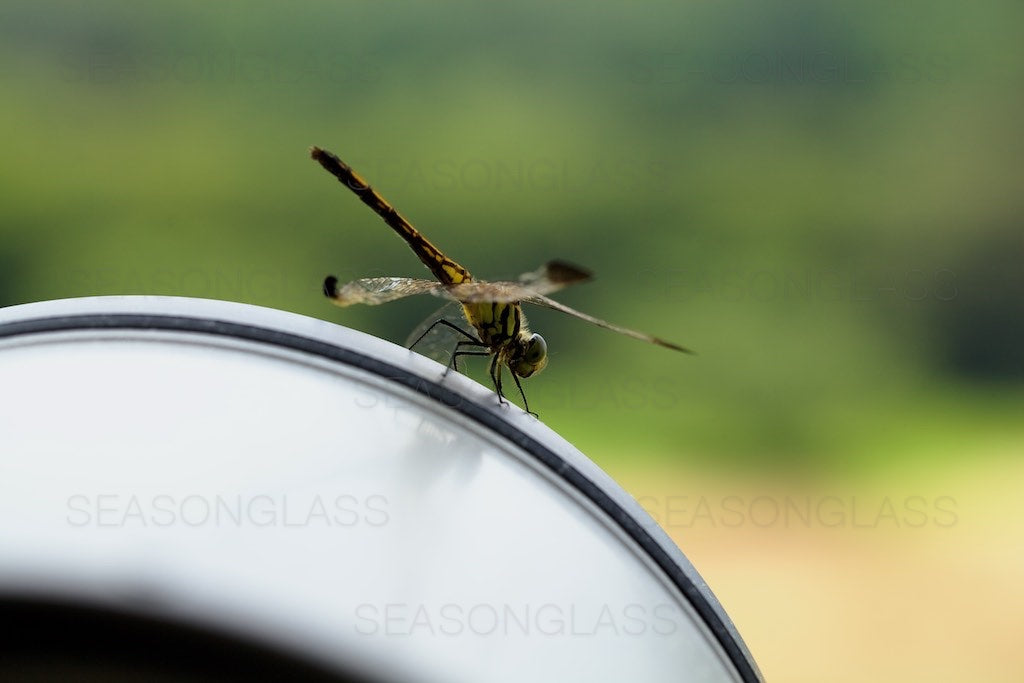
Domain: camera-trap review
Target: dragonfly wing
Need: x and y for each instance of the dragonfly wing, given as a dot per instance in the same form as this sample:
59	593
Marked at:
553	276
512	292
550	277
438	341
485	292
378	290
541	300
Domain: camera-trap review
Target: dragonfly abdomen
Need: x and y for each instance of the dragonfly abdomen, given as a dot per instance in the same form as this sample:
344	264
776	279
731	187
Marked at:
443	268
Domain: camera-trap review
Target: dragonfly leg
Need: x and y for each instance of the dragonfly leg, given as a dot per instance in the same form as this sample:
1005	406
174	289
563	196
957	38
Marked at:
453	364
495	371
526	405
446	323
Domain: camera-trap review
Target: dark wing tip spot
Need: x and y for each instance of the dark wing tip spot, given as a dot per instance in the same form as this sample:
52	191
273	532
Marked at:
563	271
331	287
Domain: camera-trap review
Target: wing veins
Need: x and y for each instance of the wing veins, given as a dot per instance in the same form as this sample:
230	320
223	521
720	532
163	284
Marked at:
378	290
541	300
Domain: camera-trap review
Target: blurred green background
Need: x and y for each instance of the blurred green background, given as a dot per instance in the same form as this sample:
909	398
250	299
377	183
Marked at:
824	200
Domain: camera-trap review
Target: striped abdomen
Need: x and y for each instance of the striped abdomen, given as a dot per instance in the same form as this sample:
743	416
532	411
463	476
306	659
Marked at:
444	269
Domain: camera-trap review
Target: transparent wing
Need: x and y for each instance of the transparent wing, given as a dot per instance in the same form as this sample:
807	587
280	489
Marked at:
438	341
484	292
510	292
378	290
550	277
541	300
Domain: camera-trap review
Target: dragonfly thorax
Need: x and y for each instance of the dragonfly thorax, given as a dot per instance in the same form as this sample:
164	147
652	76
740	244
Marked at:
496	323
502	327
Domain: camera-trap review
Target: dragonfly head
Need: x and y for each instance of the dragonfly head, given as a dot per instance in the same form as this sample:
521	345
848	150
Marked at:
531	355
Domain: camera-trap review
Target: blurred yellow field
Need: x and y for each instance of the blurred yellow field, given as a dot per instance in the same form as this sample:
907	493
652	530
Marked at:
859	594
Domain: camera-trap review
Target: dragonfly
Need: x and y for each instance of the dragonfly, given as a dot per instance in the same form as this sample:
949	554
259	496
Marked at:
491	308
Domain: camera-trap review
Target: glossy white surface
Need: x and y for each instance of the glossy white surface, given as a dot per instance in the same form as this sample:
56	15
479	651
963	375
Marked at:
314	504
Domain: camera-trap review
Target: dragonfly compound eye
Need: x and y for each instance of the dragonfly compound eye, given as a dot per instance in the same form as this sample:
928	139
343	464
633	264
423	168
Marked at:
534	358
536	349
